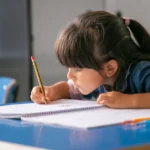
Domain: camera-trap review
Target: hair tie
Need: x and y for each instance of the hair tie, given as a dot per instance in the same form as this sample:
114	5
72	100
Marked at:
127	21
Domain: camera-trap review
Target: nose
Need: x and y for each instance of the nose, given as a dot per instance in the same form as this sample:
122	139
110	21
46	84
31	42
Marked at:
70	75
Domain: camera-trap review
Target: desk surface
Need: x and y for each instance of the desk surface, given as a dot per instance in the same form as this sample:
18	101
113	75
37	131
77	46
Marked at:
54	137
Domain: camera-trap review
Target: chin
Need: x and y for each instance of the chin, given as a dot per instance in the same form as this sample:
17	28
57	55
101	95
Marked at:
84	92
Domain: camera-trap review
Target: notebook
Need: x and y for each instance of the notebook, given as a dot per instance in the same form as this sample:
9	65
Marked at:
72	113
55	107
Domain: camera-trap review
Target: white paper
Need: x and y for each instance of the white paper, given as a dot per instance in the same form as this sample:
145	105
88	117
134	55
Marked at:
101	116
92	118
10	111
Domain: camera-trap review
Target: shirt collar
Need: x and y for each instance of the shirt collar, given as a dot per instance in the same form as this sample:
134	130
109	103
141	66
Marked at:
121	84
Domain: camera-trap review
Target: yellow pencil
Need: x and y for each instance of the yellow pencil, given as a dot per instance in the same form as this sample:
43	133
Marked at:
136	120
38	77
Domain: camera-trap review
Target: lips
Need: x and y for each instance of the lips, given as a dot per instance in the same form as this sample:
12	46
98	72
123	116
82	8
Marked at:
76	85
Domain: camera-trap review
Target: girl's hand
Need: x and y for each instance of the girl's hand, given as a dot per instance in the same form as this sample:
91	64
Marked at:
38	97
115	100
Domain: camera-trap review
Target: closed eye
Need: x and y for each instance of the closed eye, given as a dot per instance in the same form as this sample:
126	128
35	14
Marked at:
77	69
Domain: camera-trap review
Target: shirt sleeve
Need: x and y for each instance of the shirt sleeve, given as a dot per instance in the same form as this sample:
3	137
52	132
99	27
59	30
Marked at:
141	77
73	91
96	93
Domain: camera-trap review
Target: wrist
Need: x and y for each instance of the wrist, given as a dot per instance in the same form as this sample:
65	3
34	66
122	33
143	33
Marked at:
131	100
134	99
60	90
141	100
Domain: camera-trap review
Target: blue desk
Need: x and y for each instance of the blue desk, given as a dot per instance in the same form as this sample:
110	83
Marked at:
61	138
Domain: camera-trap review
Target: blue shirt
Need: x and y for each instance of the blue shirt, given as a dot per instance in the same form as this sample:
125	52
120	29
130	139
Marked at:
135	80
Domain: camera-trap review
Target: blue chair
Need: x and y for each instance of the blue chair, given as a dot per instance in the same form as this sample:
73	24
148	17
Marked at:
8	90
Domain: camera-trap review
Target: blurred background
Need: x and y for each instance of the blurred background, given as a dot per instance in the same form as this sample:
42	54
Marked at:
30	27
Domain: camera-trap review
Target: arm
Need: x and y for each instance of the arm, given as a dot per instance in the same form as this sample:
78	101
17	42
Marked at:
65	90
60	90
140	100
57	91
141	80
124	101
140	85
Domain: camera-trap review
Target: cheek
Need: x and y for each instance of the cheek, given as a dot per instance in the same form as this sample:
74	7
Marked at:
90	84
95	82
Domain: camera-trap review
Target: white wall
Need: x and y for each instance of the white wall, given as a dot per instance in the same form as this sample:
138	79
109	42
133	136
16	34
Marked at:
135	9
48	17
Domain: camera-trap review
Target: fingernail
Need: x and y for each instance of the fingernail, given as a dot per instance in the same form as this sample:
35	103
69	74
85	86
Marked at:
98	102
102	102
45	101
47	98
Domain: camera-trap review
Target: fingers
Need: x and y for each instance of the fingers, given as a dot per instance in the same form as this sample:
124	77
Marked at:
104	99
112	99
37	96
106	103
37	100
48	94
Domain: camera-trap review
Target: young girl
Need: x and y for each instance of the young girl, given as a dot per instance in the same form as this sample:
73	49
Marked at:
104	62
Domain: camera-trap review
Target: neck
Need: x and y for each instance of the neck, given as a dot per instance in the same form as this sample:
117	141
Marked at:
111	80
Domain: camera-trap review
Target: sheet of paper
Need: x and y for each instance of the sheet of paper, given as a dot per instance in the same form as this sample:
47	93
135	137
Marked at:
63	104
92	118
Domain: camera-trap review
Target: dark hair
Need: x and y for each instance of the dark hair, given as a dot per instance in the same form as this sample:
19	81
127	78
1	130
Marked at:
96	37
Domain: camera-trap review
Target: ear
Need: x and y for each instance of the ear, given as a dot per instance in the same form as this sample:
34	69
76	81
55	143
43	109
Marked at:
110	68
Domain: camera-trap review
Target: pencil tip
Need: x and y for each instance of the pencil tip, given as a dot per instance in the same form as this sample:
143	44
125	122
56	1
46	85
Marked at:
32	58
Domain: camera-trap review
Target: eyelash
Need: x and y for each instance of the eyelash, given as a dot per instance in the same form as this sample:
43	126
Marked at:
77	69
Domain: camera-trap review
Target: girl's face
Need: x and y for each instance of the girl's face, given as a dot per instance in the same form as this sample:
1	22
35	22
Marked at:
86	80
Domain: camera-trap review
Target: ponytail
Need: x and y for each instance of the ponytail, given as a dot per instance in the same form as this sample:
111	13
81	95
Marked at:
141	35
